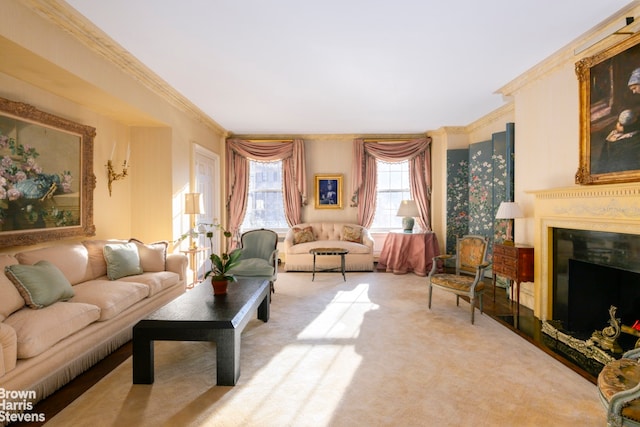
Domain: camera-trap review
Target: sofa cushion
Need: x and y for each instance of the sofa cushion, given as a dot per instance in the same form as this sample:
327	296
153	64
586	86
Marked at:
10	298
37	330
122	260
152	256
303	235
72	259
157	282
253	267
40	284
97	263
351	234
112	296
8	348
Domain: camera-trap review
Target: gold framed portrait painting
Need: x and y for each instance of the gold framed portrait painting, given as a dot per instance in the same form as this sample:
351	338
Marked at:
328	191
609	85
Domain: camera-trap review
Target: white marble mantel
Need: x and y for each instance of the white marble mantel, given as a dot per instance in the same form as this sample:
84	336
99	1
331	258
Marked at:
610	208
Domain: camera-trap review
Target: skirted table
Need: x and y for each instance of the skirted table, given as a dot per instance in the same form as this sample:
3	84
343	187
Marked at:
408	252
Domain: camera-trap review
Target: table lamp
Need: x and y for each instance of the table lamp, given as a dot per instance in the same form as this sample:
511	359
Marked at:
193	207
408	210
509	211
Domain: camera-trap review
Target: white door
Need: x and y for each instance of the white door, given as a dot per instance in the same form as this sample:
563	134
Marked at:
207	183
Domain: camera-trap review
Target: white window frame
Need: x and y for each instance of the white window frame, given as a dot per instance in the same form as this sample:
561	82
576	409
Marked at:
264	175
403	188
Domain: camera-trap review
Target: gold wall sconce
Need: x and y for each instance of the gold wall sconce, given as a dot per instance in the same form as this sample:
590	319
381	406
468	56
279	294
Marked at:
112	175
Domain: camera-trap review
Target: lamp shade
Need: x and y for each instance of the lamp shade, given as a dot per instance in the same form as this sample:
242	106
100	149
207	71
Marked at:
408	208
193	204
509	210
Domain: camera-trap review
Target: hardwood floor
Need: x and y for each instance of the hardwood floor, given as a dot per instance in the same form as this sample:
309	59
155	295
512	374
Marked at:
502	310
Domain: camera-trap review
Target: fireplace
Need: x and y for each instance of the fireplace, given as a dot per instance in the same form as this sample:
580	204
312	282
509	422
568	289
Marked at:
587	252
601	208
593	270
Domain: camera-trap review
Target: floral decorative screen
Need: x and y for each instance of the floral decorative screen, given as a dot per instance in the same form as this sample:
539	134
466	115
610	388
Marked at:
484	178
457	196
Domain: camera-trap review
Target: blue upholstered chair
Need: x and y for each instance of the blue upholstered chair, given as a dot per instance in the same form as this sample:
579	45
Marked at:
471	252
259	256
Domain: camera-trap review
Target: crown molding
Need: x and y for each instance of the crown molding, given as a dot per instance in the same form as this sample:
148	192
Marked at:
327	136
496	115
566	56
86	32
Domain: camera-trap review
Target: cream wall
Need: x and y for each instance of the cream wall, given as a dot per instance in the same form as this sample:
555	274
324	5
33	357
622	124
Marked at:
547	140
329	155
43	65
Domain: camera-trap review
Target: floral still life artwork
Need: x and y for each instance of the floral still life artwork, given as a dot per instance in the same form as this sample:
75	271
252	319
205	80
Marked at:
29	194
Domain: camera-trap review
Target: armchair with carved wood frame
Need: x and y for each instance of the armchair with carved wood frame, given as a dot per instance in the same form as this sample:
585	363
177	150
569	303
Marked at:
471	252
619	389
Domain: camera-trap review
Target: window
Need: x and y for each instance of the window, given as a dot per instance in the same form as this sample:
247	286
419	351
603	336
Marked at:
265	202
393	187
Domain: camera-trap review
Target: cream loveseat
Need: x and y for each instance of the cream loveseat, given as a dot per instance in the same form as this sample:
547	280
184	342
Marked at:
41	349
304	237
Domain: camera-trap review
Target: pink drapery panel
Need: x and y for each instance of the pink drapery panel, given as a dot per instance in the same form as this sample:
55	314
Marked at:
293	176
364	175
294	179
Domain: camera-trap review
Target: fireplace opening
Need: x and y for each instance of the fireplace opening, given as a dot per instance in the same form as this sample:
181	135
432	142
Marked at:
592	271
593	288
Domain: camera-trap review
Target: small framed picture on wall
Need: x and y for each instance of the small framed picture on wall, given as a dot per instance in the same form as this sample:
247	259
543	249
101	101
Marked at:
328	191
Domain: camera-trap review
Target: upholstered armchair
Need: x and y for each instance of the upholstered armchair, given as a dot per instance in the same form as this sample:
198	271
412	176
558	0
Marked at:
471	252
259	256
619	389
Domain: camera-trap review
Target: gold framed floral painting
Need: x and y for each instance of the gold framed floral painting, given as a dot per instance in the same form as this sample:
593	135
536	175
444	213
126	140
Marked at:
46	176
328	191
609	89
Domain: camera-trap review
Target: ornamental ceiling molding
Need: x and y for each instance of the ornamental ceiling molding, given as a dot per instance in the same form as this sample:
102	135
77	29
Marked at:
565	56
83	30
502	114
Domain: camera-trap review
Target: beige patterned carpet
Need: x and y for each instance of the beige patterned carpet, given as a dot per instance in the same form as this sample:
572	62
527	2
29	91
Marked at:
365	352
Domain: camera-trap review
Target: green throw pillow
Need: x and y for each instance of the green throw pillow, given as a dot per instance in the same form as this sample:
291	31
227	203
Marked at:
122	260
40	284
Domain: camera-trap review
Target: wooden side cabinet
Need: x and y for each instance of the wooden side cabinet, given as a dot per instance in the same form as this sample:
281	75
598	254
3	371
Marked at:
515	263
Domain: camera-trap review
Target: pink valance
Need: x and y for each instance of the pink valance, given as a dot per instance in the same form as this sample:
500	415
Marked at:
364	173
238	154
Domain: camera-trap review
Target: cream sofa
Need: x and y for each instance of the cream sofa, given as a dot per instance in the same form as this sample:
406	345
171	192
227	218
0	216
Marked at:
328	235
43	349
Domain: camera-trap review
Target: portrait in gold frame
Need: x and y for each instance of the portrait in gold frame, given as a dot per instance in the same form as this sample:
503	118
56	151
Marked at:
328	191
610	115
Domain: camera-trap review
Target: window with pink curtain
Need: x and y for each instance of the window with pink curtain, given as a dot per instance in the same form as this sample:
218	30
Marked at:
364	173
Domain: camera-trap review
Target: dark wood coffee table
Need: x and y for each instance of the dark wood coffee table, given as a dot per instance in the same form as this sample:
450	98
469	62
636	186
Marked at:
329	251
199	316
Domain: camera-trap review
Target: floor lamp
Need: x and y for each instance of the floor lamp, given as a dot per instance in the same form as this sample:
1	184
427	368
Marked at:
509	211
193	207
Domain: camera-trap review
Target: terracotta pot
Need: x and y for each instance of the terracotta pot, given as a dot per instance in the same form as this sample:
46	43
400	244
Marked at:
219	286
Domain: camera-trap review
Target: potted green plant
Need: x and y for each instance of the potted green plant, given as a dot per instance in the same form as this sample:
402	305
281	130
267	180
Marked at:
222	263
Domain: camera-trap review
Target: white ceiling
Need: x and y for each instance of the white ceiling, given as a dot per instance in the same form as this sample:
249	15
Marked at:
343	66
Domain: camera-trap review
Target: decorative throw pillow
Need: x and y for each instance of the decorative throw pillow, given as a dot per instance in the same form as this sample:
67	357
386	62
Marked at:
303	235
351	234
152	255
40	284
122	260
